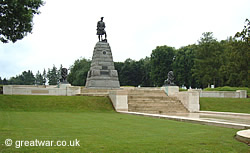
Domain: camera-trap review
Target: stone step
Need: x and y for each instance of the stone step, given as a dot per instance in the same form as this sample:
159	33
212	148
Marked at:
149	101
93	94
146	92
169	107
152	104
158	112
152	98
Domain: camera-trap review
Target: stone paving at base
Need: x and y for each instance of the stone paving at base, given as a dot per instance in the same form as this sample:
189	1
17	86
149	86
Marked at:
229	120
222	117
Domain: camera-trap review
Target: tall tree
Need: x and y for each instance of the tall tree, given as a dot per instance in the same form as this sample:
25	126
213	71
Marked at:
52	76
183	64
242	54
207	61
44	76
26	78
39	78
78	72
161	63
5	81
146	70
16	18
245	33
131	73
29	78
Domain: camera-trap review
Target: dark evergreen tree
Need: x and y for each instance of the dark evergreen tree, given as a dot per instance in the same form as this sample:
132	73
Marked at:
1	81
39	78
52	76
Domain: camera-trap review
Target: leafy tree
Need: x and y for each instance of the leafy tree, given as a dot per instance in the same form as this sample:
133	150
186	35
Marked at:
207	61
161	63
16	18
78	72
146	70
183	64
1	81
245	33
238	64
118	67
242	54
131	73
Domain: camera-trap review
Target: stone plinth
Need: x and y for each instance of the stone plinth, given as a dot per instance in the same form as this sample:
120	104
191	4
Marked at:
171	90
102	73
64	85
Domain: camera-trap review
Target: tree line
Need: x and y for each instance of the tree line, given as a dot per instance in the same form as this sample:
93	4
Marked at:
221	63
51	77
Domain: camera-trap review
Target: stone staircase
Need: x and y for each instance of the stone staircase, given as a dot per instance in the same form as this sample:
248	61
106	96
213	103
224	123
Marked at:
153	102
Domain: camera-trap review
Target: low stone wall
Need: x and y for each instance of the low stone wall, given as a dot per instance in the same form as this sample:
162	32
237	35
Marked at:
190	100
119	99
221	94
40	90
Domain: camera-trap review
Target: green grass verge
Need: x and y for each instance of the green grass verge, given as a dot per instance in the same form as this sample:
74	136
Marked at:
180	89
54	103
227	88
102	129
237	105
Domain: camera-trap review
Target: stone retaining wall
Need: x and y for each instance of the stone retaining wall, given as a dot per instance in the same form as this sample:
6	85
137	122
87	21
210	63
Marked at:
222	94
40	90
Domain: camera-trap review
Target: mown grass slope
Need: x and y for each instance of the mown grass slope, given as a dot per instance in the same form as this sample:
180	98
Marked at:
93	122
237	105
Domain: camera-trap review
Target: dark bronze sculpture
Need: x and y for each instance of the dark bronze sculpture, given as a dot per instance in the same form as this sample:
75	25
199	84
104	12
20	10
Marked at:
64	74
170	79
100	30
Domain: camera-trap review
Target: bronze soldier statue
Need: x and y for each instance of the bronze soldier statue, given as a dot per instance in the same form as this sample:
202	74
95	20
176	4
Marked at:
100	30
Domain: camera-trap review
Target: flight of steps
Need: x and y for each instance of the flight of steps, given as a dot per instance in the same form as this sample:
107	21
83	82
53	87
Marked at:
153	102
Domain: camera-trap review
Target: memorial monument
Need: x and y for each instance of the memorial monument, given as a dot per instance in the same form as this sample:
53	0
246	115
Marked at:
170	79
63	80
102	73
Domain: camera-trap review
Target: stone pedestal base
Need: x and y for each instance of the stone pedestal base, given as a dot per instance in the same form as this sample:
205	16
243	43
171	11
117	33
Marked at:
171	90
102	73
64	85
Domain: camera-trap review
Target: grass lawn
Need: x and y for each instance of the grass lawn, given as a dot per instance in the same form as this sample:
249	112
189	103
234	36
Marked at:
237	105
93	122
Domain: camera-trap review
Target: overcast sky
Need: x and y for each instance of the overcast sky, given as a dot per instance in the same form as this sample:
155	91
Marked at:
66	30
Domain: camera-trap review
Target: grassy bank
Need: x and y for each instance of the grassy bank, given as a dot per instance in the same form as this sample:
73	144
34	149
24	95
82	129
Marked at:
92	121
237	105
54	103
